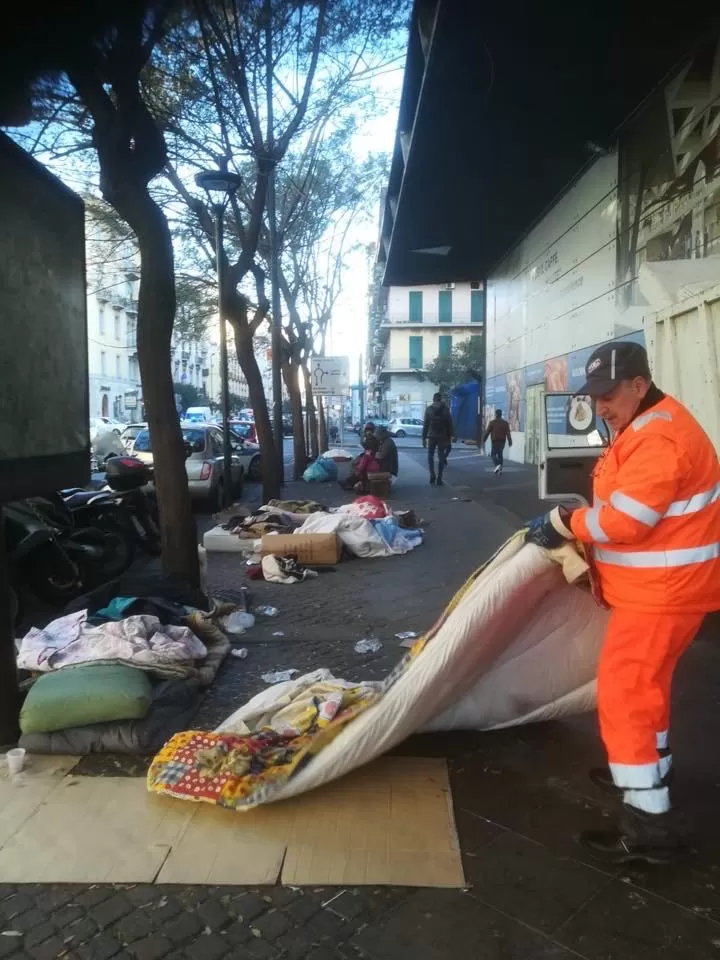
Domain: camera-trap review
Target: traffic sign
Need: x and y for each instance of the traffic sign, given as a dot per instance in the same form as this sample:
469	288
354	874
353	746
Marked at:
330	376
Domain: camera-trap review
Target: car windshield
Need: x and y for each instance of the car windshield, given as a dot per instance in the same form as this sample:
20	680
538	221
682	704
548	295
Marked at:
241	430
194	437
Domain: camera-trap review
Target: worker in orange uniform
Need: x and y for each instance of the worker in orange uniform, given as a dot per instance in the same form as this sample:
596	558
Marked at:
654	530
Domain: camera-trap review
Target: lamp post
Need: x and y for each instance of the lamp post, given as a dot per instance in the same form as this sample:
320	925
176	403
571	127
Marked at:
220	185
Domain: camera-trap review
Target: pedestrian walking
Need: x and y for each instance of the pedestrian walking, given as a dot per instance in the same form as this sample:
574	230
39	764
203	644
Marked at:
438	433
499	432
654	532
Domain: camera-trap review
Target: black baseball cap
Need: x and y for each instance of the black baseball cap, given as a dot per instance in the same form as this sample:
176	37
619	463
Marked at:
612	363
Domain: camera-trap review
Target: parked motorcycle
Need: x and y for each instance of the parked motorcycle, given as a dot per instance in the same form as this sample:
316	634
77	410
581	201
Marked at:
121	502
55	558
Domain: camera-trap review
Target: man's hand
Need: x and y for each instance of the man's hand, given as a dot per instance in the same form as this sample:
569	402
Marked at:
550	530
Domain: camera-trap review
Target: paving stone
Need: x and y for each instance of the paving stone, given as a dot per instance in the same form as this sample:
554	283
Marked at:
44	931
325	925
622	922
295	944
447	923
134	926
528	882
183	928
49	950
53	899
210	947
101	947
81	931
63	917
271	926
10	945
151	948
213	914
141	895
28	921
163	912
93	896
16	904
248	906
237	932
282	896
322	953
261	950
349	906
110	911
302	908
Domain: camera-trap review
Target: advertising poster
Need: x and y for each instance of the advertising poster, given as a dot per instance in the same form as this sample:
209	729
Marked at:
556	375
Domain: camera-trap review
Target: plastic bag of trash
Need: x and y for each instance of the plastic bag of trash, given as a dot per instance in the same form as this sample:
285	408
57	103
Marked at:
321	471
237	622
369	645
279	676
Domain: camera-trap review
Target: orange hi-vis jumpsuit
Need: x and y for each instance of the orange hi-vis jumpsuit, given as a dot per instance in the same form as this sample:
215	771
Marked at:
655	535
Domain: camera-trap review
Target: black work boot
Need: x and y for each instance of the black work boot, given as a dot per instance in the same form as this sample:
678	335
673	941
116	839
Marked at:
640	837
432	480
602	778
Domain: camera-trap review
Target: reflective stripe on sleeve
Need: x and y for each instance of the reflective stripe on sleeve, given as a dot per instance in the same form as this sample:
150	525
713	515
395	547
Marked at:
659	558
647	418
635	509
662	739
592	519
681	508
665	765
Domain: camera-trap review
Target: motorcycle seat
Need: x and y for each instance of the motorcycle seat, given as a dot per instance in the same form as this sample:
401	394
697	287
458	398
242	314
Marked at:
84	498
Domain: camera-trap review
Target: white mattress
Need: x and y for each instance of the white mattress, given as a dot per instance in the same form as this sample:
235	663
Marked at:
222	541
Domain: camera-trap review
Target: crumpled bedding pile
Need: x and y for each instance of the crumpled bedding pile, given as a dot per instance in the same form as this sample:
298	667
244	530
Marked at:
518	643
122	673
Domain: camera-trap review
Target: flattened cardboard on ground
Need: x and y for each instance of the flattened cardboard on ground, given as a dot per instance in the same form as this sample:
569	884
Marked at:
221	846
311	549
388	823
94	830
21	795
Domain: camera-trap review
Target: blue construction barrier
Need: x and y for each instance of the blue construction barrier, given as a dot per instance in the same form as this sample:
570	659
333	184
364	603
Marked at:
465	409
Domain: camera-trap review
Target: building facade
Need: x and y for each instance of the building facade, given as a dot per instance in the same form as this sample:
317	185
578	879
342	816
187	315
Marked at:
410	327
638	231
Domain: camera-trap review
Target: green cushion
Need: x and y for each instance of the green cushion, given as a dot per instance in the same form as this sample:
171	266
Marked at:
93	693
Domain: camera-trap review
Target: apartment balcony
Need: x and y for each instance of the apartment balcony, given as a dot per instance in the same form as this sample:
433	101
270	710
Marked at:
388	325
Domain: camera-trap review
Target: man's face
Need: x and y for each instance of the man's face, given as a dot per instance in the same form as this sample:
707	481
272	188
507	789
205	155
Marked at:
619	407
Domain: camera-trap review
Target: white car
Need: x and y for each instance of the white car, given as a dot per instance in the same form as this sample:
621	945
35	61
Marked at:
405	427
130	431
107	422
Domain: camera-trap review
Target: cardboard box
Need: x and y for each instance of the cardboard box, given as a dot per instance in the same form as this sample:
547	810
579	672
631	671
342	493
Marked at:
310	549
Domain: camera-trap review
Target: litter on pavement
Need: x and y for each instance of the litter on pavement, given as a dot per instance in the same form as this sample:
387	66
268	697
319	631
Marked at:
369	645
280	676
237	622
239	652
266	611
407	635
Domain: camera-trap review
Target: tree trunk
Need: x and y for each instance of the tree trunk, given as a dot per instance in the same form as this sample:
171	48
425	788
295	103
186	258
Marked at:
290	372
258	401
312	415
322	426
156	314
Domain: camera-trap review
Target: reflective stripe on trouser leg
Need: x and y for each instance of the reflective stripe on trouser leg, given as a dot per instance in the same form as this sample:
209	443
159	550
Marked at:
634	679
663	746
650	801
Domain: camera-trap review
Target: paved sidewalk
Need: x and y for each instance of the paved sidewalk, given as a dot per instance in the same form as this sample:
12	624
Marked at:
519	797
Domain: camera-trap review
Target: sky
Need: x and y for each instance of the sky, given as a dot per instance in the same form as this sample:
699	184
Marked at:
348	329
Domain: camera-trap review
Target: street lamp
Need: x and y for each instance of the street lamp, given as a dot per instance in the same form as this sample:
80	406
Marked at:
220	185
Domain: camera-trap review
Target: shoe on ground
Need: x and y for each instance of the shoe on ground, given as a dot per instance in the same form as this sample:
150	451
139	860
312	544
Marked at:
440	483
433	481
640	838
602	778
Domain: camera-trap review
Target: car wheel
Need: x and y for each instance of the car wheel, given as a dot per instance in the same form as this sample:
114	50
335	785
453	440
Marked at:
255	469
401	434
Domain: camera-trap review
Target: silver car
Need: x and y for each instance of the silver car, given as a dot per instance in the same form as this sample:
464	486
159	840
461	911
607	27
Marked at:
204	466
405	427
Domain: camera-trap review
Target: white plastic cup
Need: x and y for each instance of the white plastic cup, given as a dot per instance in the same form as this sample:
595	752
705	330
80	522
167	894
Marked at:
15	760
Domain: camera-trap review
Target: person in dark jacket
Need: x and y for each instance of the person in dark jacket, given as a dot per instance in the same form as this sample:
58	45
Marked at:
387	455
438	434
499	432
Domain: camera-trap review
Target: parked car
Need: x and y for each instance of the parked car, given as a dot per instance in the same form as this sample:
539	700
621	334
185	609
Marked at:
97	423
245	430
205	464
405	427
104	443
129	433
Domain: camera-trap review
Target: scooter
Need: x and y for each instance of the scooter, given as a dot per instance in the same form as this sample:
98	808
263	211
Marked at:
56	559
